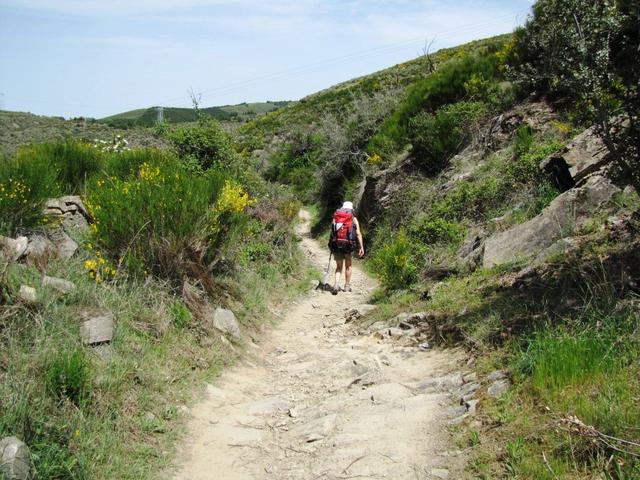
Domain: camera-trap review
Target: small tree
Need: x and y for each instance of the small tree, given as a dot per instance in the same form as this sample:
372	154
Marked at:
586	51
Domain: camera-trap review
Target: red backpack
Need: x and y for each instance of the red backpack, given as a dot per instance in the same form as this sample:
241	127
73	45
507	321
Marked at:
343	232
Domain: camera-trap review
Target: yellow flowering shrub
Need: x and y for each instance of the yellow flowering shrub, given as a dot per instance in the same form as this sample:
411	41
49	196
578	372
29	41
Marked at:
153	218
374	159
98	268
233	198
395	264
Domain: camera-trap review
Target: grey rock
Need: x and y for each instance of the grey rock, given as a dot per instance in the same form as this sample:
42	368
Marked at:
316	429
629	190
499	388
39	247
15	459
225	321
468	389
561	218
376	327
585	155
444	382
12	249
498	375
358	312
376	191
96	327
59	284
470	377
64	244
441	473
27	294
456	411
70	210
395	332
560	247
471	406
471	251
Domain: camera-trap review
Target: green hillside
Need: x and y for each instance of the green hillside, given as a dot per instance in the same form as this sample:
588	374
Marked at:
496	189
146	117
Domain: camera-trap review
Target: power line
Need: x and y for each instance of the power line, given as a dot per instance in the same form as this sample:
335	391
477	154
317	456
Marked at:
295	71
385	49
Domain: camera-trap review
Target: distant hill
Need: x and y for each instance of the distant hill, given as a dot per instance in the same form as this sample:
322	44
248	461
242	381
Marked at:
146	117
338	98
21	128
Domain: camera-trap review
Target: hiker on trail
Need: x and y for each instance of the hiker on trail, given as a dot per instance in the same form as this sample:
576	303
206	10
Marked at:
345	238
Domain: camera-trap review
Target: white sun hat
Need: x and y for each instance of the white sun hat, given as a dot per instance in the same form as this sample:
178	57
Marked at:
347	205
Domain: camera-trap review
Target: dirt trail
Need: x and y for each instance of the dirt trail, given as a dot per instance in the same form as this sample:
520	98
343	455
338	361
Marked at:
318	401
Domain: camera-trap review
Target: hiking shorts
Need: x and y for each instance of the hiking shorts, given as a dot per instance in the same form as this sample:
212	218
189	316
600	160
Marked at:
342	256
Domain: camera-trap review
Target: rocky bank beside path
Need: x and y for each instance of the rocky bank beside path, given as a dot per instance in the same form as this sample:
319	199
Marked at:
319	400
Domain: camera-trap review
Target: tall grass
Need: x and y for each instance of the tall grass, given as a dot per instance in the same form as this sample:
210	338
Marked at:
26	181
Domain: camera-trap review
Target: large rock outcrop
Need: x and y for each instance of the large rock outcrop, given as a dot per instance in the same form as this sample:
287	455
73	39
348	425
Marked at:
564	216
376	191
570	166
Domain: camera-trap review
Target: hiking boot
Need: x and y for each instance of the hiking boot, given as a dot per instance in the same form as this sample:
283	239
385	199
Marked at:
334	290
347	288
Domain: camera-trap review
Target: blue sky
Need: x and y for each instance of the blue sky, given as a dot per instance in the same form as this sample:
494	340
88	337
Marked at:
99	57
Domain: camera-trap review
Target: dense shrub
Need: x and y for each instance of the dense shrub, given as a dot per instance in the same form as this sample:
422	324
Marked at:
525	167
394	262
26	181
436	137
437	230
296	162
449	84
204	144
163	219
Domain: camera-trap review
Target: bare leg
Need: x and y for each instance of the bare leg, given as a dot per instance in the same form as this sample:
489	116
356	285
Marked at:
347	273
339	264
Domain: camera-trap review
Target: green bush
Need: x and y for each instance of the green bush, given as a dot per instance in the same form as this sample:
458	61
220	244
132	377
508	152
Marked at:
469	199
295	163
394	262
437	230
447	85
204	144
159	217
523	140
68	375
26	181
436	137
127	163
525	167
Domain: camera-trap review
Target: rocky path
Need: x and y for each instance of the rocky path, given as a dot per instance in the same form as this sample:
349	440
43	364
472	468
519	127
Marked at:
319	400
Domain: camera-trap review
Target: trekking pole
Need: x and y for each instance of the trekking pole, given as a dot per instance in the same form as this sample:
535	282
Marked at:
324	285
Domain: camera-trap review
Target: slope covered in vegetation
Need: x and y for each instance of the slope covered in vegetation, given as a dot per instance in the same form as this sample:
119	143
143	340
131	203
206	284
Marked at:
496	184
109	304
497	187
